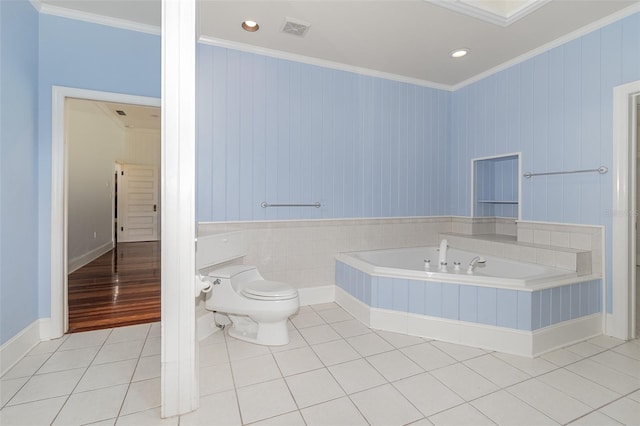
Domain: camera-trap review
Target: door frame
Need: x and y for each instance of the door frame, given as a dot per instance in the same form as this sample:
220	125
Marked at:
59	323
620	322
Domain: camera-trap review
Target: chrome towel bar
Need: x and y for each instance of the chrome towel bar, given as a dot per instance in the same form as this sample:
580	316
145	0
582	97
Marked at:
264	205
602	170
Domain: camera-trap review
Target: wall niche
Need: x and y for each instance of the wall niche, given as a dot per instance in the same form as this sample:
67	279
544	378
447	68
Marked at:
496	186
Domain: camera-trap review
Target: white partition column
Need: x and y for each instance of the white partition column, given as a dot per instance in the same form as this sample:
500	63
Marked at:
179	348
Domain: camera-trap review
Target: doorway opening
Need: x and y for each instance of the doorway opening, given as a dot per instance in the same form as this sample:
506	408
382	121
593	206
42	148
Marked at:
62	198
113	249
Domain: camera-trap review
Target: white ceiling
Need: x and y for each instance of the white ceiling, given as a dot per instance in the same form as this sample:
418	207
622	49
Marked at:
406	39
136	116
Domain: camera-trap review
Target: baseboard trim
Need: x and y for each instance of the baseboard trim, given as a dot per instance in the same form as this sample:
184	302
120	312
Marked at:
361	311
19	345
501	339
566	333
316	295
79	261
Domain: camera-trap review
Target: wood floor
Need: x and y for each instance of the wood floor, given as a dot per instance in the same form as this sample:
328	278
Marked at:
120	288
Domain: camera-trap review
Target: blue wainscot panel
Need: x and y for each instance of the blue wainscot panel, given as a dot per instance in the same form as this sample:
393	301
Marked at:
506	308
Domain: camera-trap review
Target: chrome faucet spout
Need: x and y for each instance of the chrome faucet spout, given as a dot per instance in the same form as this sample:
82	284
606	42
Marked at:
475	261
442	256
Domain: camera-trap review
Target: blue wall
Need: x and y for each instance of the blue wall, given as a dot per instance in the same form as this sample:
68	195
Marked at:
557	109
18	166
86	56
284	132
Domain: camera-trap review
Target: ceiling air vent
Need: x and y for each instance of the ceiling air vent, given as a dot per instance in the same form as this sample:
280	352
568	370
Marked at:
295	27
121	112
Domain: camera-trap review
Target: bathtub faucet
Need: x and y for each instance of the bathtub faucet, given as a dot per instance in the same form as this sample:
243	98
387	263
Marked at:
474	262
442	256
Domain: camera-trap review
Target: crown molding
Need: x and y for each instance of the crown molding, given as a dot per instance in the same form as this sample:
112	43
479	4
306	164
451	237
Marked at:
503	20
319	62
628	11
63	12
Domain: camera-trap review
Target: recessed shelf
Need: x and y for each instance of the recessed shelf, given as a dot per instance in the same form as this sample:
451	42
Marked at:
496	186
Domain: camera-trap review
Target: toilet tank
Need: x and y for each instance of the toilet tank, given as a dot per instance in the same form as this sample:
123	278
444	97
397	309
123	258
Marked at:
214	249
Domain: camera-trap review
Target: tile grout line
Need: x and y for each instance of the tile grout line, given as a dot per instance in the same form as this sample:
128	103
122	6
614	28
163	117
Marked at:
133	373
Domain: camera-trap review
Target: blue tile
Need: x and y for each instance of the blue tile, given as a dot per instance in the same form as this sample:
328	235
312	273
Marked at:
468	303
565	303
351	281
367	289
584	299
416	297
545	308
594	296
535	310
524	310
507	308
575	301
385	293
433	299
400	295
450	301
374	292
360	285
598	301
556	305
487	305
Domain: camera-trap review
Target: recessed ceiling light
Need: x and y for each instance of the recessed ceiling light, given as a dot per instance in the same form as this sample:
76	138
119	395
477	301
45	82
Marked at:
459	53
250	26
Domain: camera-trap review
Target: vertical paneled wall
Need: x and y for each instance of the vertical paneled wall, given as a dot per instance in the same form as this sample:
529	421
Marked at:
556	109
285	132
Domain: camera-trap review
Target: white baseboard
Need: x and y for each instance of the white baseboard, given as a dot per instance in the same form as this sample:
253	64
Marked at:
316	295
501	339
566	333
19	345
359	310
79	261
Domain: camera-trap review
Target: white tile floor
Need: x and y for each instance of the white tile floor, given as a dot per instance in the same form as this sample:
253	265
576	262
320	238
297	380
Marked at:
334	372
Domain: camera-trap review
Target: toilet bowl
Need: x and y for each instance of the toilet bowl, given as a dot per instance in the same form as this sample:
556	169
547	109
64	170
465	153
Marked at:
258	308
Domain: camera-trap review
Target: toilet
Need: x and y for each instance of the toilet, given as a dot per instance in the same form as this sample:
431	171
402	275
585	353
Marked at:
258	308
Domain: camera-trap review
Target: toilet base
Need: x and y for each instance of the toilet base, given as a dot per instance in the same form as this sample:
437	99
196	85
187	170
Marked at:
263	333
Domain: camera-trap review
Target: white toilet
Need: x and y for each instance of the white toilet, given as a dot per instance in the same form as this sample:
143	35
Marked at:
258	309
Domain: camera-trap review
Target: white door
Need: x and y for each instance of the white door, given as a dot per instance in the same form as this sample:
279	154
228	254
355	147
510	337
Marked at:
137	203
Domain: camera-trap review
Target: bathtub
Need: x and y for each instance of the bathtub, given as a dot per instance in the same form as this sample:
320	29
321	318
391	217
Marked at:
504	305
409	263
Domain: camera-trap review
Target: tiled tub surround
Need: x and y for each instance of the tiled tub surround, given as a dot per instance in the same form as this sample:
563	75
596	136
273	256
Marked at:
302	252
521	321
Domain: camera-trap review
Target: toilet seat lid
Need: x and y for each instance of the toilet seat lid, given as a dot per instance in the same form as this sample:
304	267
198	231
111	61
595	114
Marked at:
269	290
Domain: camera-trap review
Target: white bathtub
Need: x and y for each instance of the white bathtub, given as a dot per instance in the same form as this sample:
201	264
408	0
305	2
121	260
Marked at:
409	263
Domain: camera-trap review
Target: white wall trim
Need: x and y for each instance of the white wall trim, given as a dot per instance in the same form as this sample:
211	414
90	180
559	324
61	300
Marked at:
19	345
504	19
79	261
59	200
93	18
360	310
279	54
566	333
620	324
501	339
179	361
316	295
